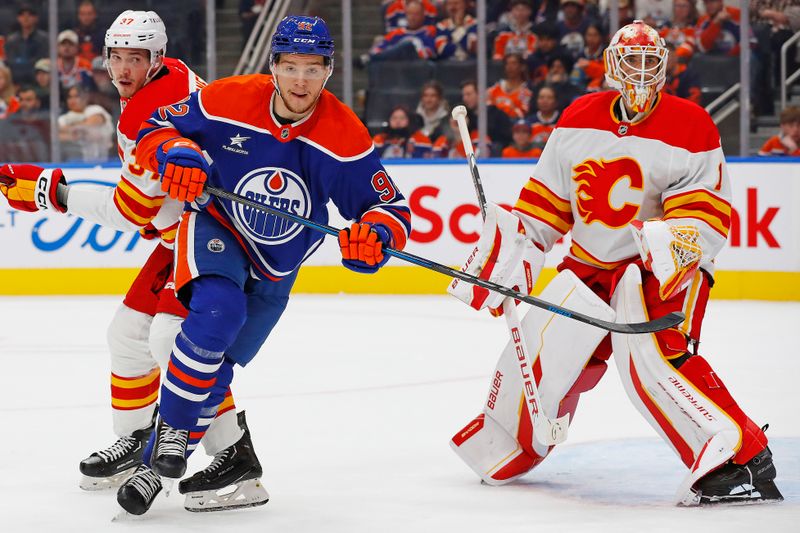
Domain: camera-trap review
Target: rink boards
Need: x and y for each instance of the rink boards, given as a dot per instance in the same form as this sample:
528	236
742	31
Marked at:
54	254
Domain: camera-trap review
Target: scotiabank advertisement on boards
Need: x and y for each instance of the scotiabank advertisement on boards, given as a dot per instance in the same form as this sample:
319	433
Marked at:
765	233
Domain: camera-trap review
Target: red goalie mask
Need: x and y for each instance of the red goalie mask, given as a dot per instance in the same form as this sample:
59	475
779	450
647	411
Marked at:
636	64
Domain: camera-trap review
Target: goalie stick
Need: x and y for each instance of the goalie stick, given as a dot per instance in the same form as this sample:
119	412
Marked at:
546	430
650	326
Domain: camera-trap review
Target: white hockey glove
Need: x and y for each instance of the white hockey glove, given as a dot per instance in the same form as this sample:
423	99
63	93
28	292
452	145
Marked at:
671	253
503	256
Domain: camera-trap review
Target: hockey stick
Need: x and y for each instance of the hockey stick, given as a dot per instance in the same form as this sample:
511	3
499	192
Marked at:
546	430
664	322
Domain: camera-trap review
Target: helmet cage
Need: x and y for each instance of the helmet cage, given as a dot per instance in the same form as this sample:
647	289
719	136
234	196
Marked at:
627	71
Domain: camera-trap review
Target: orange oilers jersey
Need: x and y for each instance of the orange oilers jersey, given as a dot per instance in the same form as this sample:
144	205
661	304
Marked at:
596	175
774	146
514	103
682	37
529	152
513	42
137	200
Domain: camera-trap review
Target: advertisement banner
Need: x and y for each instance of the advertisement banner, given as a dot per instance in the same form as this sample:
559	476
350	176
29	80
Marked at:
764	235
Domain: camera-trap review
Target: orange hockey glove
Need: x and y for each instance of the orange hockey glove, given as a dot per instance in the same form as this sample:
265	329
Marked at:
362	246
31	188
183	168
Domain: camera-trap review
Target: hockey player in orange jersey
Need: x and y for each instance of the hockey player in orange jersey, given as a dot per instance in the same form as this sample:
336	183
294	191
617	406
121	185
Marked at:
141	333
639	178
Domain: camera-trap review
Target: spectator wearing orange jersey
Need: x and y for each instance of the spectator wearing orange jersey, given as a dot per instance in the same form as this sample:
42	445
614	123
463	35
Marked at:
394	14
719	30
517	37
448	144
589	70
682	80
682	29
511	94
543	121
523	146
8	101
498	123
399	140
787	142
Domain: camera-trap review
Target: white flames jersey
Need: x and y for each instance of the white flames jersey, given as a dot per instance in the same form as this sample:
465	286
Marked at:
597	174
137	200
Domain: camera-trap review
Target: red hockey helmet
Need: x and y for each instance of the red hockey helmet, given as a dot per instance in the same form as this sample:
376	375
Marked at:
636	64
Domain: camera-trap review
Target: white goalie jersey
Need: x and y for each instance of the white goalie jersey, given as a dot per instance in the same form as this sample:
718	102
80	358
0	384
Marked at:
597	175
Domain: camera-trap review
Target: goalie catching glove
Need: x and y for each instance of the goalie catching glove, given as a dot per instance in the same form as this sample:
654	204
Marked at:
32	188
671	253
503	256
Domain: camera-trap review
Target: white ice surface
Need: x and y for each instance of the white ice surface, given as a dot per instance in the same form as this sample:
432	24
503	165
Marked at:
351	404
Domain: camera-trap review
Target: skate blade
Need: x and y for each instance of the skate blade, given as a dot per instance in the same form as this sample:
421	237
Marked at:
93	484
167	483
125	516
249	493
764	493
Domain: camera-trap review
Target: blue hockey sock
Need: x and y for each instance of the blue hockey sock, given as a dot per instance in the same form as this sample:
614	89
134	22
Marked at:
217	311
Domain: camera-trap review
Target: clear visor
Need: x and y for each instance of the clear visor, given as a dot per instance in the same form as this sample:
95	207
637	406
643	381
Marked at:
309	72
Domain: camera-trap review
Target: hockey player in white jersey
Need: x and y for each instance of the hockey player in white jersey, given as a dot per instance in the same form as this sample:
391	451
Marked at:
639	178
144	327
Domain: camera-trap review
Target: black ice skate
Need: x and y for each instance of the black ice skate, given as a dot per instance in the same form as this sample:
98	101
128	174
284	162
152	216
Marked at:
136	495
732	483
107	469
231	481
169	451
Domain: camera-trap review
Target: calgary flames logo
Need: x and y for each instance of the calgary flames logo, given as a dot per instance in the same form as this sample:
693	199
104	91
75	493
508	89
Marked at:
596	181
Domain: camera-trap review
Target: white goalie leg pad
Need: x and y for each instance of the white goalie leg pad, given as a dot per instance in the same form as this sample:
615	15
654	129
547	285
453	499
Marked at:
559	348
684	417
130	358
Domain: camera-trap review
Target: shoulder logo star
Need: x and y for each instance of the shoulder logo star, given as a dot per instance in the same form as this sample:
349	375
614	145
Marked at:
238	140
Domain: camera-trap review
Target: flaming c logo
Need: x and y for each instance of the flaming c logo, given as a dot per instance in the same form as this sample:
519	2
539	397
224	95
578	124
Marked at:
596	180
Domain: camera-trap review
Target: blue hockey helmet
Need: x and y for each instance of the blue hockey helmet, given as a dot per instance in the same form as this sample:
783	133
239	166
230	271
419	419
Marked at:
302	35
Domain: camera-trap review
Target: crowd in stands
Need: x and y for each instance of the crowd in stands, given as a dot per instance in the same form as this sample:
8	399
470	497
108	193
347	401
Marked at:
551	53
545	53
87	99
88	102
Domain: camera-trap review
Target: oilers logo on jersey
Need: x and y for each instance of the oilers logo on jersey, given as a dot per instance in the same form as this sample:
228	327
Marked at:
275	187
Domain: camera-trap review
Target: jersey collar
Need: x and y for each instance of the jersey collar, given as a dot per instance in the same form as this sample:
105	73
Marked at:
287	132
